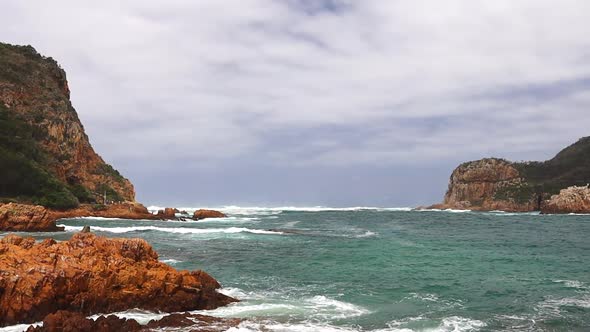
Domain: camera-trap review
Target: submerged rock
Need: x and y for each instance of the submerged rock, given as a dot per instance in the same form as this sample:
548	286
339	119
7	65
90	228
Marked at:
203	213
91	274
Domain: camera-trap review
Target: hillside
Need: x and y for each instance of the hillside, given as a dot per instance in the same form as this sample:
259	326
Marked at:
45	155
498	184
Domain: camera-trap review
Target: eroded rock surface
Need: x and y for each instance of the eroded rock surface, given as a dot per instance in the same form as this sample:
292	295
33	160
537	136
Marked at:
575	199
24	217
91	274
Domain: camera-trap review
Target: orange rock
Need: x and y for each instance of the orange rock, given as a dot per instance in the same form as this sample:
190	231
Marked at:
91	274
203	213
474	185
24	217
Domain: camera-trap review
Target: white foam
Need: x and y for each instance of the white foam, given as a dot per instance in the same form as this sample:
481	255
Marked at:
258	210
366	234
177	230
459	324
19	327
272	304
141	316
572	283
170	261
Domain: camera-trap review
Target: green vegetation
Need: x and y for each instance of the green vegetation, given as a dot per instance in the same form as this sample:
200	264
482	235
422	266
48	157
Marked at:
570	167
24	176
108	170
112	195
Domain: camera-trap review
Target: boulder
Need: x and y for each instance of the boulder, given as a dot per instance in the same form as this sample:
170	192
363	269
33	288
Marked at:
203	213
91	274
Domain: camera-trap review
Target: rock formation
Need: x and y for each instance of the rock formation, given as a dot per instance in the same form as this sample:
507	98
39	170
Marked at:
65	321
482	185
30	218
35	101
203	213
569	200
91	274
497	184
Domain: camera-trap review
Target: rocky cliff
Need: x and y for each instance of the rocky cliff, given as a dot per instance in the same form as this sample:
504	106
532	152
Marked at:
498	184
91	274
46	156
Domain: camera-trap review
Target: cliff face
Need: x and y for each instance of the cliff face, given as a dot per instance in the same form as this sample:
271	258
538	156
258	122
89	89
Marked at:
482	184
34	94
497	184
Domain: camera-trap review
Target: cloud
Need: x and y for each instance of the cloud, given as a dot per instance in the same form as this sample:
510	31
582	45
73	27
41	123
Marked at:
330	83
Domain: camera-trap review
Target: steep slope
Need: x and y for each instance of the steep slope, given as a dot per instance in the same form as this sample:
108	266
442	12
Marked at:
45	155
497	184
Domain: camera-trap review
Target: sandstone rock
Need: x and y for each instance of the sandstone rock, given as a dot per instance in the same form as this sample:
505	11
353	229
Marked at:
29	218
125	210
203	213
475	186
569	200
91	274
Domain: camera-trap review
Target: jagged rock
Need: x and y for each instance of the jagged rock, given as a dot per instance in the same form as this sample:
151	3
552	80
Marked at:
203	213
91	274
573	199
29	218
65	321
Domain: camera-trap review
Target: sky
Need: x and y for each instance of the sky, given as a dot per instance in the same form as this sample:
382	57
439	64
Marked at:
325	102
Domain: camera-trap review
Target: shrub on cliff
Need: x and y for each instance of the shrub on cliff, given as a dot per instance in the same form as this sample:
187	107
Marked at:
24	174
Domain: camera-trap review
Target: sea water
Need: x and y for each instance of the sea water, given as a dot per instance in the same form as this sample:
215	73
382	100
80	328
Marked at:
370	269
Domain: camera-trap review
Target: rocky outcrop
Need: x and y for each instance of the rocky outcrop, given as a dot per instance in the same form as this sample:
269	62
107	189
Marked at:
483	184
30	218
167	213
570	200
203	213
497	184
91	274
126	210
35	218
65	321
34	90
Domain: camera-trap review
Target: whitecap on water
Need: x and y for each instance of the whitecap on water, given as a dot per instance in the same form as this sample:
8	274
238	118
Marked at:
177	230
572	283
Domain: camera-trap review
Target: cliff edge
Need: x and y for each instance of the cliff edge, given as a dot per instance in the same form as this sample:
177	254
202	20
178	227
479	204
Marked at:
45	155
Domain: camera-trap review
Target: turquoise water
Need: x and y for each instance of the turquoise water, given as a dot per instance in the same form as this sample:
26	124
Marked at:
382	269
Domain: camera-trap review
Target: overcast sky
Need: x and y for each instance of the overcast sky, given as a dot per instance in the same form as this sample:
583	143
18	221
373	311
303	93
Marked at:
335	103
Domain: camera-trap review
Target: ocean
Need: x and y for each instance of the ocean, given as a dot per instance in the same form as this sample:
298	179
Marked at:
372	269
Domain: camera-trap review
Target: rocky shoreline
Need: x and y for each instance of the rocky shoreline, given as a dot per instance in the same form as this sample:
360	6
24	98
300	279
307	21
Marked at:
89	274
16	217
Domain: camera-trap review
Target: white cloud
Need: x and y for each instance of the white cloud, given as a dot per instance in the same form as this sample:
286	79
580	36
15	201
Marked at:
417	81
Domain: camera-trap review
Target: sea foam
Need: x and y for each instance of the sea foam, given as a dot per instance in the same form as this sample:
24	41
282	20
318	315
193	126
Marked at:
177	230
